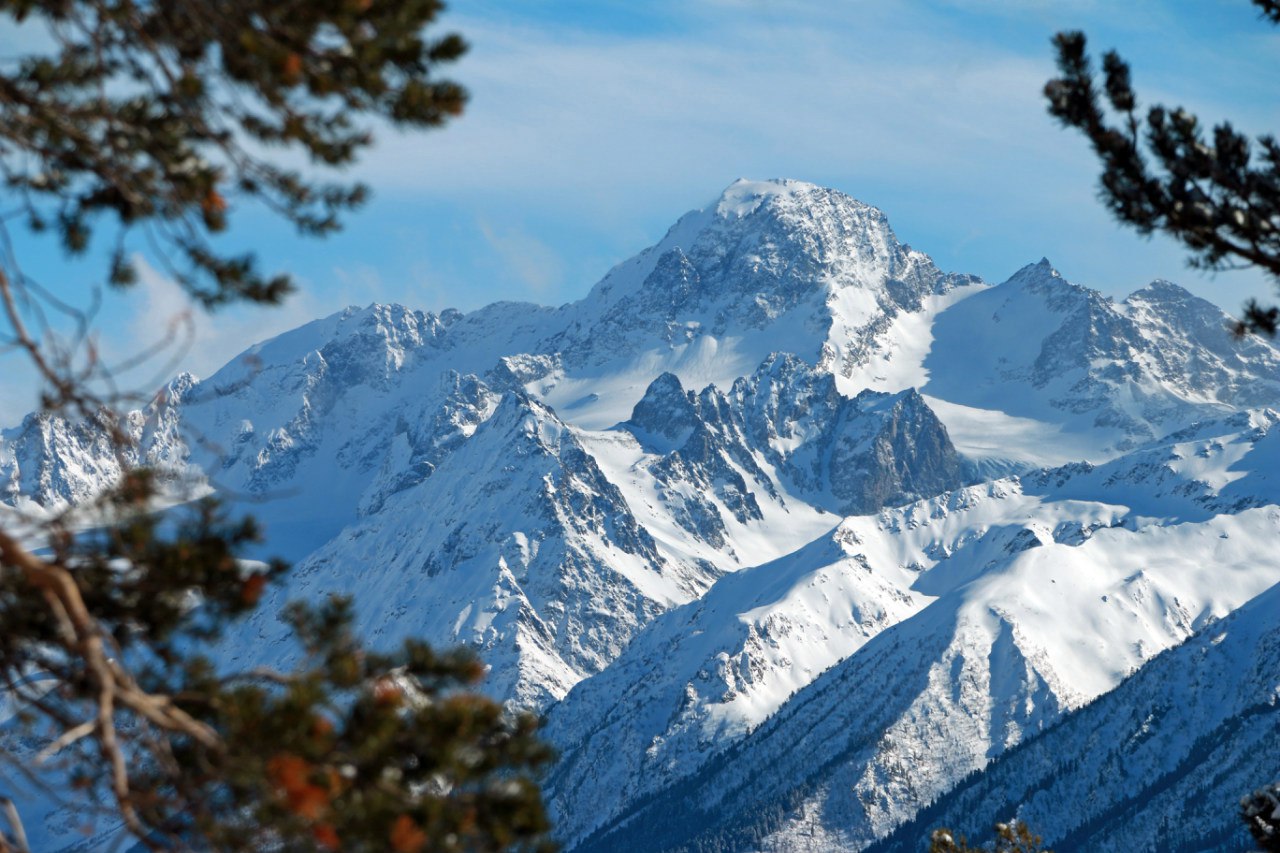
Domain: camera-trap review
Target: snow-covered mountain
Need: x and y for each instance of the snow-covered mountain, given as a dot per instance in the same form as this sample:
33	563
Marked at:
788	531
1015	602
1153	765
1108	375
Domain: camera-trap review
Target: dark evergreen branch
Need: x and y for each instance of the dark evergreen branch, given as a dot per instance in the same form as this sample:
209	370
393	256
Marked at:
1217	193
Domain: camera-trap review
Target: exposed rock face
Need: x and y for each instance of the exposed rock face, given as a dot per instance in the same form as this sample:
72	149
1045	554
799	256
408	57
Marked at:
875	450
848	456
909	456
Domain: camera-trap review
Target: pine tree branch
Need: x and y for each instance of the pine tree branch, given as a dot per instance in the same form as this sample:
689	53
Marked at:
112	683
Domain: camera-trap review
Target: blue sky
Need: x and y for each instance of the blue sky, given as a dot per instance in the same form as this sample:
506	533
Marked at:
594	124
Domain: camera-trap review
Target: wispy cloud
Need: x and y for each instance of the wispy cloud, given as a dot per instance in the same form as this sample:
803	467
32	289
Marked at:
524	256
571	114
180	335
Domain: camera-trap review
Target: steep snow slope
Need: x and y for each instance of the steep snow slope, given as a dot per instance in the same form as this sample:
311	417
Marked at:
703	675
1043	601
337	432
778	266
928	701
1159	763
312	412
771	266
516	544
48	464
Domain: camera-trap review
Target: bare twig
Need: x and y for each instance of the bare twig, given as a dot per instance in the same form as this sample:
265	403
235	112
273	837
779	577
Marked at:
15	823
67	738
113	684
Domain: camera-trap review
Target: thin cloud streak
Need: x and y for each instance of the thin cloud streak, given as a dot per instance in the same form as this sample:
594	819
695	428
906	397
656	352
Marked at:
573	115
198	341
525	257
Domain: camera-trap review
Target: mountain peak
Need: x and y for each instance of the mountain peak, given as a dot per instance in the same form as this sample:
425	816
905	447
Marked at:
744	196
1042	270
1161	290
666	412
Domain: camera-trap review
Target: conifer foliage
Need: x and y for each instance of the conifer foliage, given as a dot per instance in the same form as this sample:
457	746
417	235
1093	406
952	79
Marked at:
158	115
144	124
1261	813
1218	194
350	750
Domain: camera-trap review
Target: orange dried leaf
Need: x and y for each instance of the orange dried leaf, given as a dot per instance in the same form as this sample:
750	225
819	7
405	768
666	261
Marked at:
288	772
407	836
309	801
251	589
327	837
292	69
213	202
387	692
